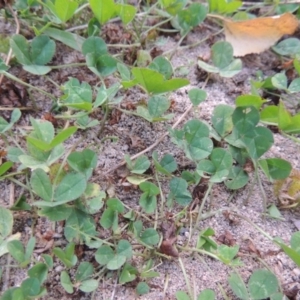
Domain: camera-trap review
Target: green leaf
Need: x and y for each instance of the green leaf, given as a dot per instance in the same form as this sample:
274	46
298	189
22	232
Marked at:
232	69
67	256
42	50
197	96
224	7
279	81
16	250
296	64
3	66
104	254
70	188
293	254
222	161
43	130
83	162
262	284
94	45
148	203
41	184
158	105
245	119
141	164
142	288
128	274
178	189
274	212
30	287
275	168
116	262
124	72
192	16
258	142
126	12
29	248
15	116
208	68
162	65
39	271
108	218
294	87
181	295
171	6
84	271
56	213
66	282
207	294
149	188
5	167
6	222
20	49
222	119
249	100
295	241
37	70
290	46
269	115
115	204
237	178
222	54
79	227
102	65
238	286
150	237
72	40
168	163
21	204
103	10
226	254
124	248
278	296
65	9
153	82
195	129
89	285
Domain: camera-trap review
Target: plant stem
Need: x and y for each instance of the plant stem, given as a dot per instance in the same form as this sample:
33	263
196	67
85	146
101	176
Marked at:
210	185
12	77
68	66
185	278
124	45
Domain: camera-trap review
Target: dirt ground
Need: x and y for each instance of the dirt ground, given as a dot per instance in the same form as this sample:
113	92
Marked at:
136	134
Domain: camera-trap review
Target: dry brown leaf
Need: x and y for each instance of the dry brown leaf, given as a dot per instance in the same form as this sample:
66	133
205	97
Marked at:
257	35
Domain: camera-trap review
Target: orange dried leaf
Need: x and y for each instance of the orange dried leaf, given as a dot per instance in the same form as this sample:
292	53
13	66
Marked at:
257	35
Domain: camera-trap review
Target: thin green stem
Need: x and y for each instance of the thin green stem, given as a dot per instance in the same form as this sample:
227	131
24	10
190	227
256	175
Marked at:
210	185
19	183
123	45
12	77
186	278
158	24
254	225
73	65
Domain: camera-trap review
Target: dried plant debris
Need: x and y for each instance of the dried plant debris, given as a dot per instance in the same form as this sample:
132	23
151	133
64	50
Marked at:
169	233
